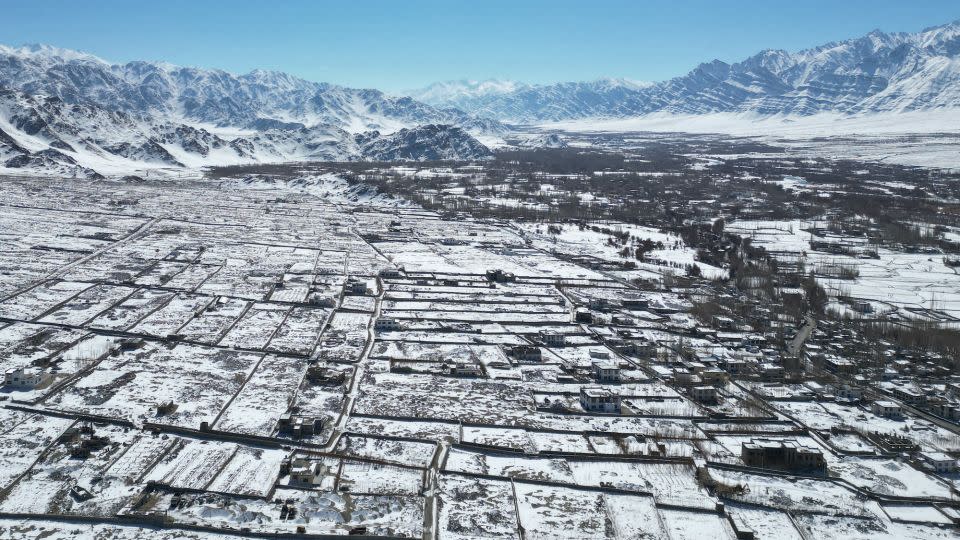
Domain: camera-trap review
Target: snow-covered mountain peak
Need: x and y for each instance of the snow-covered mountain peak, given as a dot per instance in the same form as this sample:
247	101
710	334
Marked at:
261	99
41	51
619	82
880	72
449	92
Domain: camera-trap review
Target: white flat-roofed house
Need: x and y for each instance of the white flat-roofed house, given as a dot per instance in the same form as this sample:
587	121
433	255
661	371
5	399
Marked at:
597	399
526	353
848	392
304	471
390	273
784	454
386	324
723	323
23	377
553	339
606	371
886	409
356	286
704	394
599	354
939	462
771	372
906	394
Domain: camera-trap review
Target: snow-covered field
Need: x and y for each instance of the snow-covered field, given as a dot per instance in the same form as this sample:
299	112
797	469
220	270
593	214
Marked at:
922	138
895	280
335	365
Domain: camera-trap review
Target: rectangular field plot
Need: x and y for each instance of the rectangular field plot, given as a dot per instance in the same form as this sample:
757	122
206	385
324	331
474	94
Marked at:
197	381
250	472
28	343
24	440
210	325
416	454
378	479
33	303
192	464
174	315
266	396
476	508
299	332
129	312
88	304
257	326
139	457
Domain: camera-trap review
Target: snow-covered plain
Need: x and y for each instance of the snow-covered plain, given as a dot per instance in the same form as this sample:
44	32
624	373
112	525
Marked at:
921	138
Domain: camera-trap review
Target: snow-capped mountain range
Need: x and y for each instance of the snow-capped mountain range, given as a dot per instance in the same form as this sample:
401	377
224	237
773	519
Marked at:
877	73
257	100
69	112
524	103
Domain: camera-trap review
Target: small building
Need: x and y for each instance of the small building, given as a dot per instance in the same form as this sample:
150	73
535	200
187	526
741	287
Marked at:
583	316
526	353
908	395
23	377
645	349
499	276
840	366
599	354
553	339
386	324
462	369
82	440
886	409
299	427
597	399
741	528
634	301
322	374
723	323
302	471
685	377
622	346
80	493
771	372
599	304
784	454
704	394
606	372
733	366
321	300
848	393
939	462
943	407
712	375
391	273
355	286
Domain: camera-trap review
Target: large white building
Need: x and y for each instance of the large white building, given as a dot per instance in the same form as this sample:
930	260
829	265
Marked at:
597	399
23	377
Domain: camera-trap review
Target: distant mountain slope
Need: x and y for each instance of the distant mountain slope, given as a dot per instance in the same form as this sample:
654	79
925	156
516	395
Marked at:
877	73
48	135
522	102
424	143
257	100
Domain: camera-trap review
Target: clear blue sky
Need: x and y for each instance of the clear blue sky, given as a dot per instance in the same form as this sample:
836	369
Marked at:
401	44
